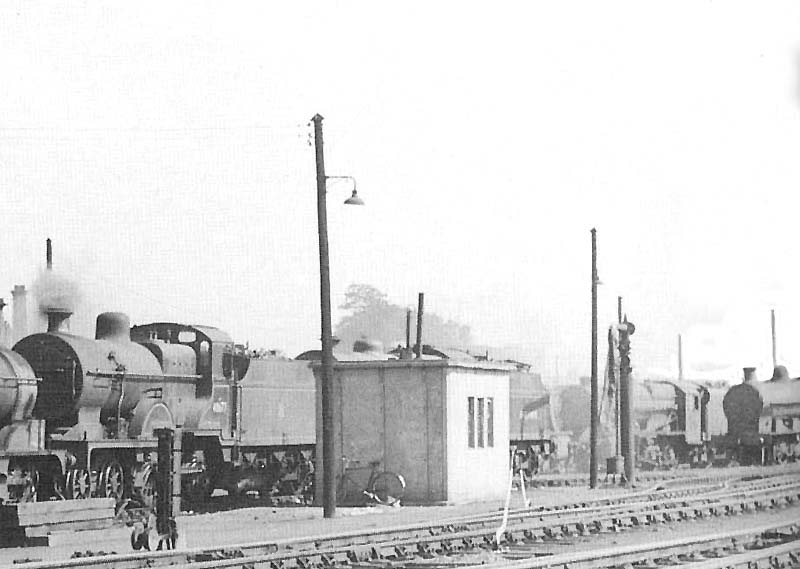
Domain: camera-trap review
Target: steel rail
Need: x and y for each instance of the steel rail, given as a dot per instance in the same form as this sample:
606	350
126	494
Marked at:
783	555
632	553
670	476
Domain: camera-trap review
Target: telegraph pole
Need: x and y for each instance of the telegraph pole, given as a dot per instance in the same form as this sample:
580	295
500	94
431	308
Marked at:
328	458
595	395
408	330
617	412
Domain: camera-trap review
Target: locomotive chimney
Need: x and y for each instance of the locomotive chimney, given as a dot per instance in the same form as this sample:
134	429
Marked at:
750	375
49	254
113	326
56	317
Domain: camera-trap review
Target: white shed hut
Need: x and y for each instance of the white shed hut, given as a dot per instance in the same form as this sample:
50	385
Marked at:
442	424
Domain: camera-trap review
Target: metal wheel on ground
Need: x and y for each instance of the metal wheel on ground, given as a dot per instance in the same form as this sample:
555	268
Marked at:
388	488
112	481
78	485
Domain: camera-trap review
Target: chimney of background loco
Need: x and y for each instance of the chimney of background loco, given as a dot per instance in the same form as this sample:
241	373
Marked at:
49	254
55	318
55	315
749	375
19	322
113	326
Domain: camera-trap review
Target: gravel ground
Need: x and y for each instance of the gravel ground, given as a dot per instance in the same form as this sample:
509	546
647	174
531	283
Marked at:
273	523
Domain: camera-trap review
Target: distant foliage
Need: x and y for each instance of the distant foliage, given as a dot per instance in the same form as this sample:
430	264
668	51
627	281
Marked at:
372	317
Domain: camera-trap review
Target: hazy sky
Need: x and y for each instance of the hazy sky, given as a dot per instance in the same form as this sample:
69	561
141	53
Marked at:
164	146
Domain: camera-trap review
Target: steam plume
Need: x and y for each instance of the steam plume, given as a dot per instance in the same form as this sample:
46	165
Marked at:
56	292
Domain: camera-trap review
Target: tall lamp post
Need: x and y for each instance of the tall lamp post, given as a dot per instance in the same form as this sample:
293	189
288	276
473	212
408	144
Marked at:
328	438
594	411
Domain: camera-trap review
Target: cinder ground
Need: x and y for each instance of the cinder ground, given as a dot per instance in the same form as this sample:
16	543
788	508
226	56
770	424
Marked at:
273	523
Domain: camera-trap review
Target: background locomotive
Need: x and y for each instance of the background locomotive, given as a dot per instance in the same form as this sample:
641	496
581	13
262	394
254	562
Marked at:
687	423
679	422
764	418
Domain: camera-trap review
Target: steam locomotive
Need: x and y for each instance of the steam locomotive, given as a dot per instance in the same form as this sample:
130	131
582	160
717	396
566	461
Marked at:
78	415
679	422
764	417
703	423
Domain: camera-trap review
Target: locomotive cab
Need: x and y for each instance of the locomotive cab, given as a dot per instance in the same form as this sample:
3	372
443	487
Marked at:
209	416
212	350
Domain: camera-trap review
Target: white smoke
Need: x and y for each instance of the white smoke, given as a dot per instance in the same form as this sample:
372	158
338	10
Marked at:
56	292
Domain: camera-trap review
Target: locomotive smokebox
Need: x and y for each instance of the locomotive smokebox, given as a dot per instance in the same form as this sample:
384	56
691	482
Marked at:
55	318
113	326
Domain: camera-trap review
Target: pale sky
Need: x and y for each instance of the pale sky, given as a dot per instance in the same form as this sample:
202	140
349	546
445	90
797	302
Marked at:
164	147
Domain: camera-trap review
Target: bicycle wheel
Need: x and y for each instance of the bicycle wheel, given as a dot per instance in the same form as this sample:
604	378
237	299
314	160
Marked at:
388	488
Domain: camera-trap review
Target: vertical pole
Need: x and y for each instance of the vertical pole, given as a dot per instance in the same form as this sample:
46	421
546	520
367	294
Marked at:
408	330
774	344
49	254
420	306
626	402
594	402
612	364
680	357
328	458
617	426
166	469
177	464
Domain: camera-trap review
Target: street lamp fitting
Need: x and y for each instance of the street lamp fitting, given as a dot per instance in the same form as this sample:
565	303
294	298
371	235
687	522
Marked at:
354	198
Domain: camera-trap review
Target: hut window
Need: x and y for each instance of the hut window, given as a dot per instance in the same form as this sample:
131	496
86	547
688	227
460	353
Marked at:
480	421
696	403
471	421
490	421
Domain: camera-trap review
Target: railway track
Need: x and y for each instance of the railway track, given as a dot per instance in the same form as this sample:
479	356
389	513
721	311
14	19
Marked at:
679	475
523	529
769	545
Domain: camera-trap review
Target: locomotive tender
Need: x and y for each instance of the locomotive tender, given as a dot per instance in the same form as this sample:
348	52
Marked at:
678	422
